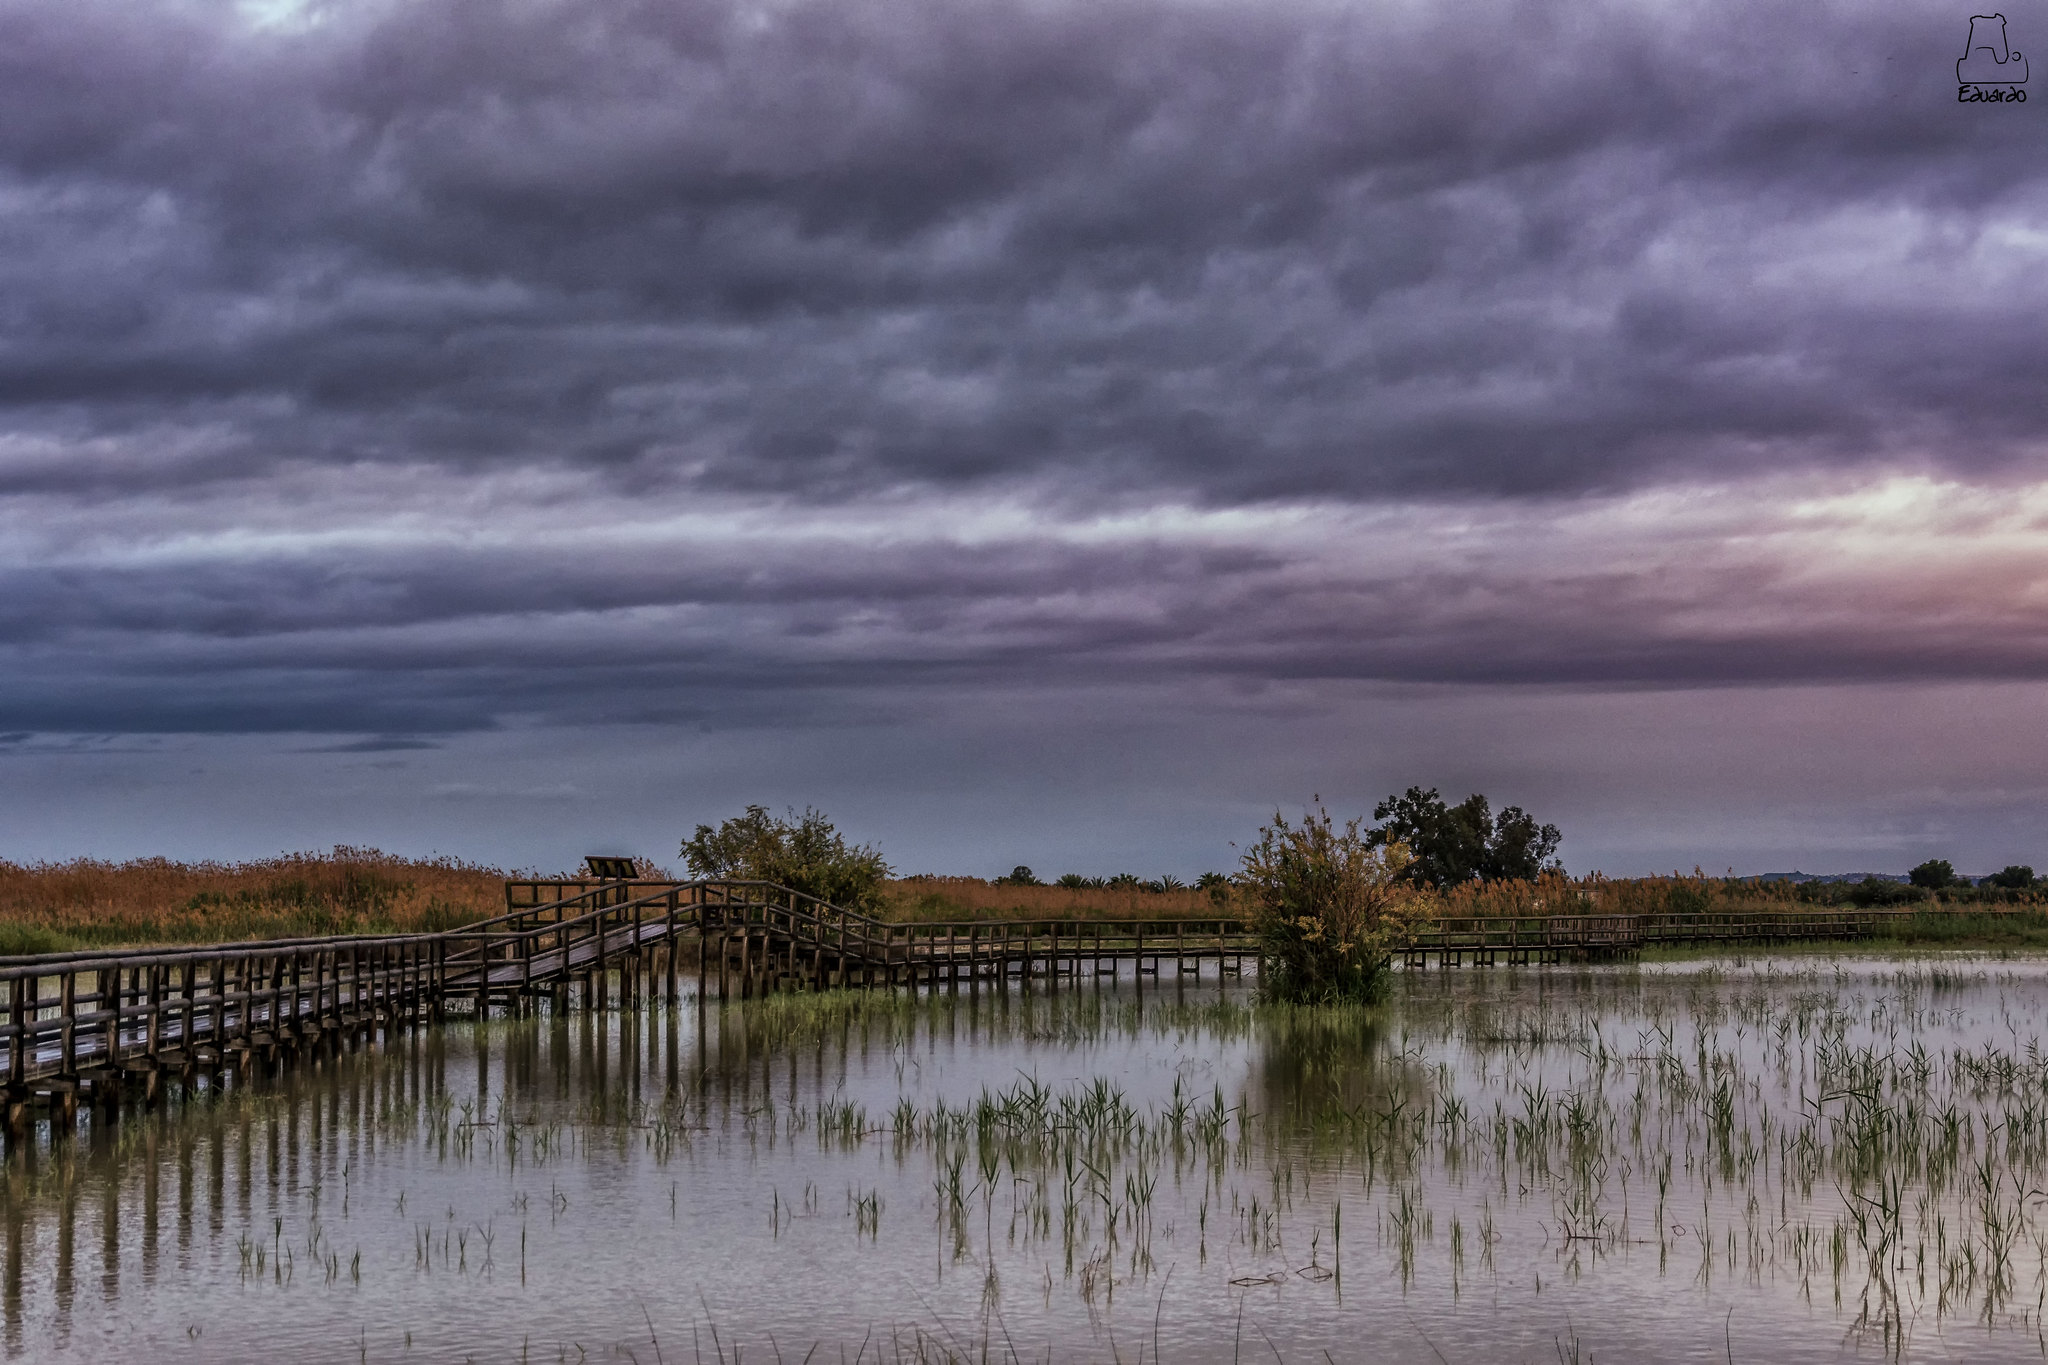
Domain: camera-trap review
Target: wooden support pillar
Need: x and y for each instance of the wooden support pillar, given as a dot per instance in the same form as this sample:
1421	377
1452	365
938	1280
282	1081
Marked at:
18	1114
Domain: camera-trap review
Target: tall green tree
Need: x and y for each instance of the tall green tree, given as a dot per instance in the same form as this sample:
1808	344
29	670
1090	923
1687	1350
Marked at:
803	852
1934	874
1453	844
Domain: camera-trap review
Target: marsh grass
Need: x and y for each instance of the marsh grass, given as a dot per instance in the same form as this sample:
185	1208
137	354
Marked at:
2018	927
49	907
1868	1145
1791	1126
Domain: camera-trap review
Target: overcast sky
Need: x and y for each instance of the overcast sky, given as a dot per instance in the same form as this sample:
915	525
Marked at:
1044	431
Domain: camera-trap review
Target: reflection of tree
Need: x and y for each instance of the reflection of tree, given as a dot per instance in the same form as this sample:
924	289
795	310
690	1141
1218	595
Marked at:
1328	1068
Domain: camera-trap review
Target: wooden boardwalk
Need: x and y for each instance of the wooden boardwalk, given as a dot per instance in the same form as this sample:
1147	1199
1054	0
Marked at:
97	1021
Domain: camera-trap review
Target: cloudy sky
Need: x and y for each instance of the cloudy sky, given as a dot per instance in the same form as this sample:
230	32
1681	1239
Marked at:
1045	431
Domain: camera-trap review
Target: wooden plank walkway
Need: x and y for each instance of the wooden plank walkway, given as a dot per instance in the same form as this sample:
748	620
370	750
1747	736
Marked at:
97	1020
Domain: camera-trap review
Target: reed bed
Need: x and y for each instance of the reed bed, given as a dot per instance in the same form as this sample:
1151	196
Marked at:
923	899
1699	894
48	907
1960	917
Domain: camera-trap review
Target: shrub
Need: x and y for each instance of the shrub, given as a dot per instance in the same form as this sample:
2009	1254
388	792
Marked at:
2017	877
1329	907
804	853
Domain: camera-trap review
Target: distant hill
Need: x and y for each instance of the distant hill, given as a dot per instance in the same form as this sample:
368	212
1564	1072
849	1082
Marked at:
1973	879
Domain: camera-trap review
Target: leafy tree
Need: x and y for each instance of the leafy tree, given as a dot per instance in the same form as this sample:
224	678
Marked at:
1880	891
1020	875
1453	844
2018	877
803	852
1329	906
1934	874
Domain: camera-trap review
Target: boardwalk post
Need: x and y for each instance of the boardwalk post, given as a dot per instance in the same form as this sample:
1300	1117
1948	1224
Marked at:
20	991
67	1038
152	1023
669	966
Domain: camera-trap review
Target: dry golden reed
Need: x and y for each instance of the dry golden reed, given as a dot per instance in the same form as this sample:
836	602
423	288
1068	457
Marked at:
950	898
1700	894
47	907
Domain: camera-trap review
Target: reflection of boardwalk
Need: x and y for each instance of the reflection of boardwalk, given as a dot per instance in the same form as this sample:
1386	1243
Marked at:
97	1020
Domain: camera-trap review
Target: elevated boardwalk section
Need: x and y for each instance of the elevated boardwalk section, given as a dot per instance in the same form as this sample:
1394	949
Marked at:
95	1021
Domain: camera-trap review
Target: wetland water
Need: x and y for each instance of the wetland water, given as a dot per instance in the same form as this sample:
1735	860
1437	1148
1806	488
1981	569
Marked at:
1772	1160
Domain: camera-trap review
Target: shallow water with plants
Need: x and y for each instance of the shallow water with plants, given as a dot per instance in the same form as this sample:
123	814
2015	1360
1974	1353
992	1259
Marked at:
1773	1159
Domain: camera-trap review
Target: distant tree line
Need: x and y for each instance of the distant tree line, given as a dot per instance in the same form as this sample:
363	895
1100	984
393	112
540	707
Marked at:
1446	845
1934	878
1122	881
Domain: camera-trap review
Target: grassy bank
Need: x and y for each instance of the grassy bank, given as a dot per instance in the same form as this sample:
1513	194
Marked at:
50	907
2021	930
1959	927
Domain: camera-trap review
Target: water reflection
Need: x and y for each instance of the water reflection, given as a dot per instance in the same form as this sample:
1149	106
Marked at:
1820	1160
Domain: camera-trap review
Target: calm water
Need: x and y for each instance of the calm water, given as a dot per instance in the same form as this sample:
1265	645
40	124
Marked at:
1781	1160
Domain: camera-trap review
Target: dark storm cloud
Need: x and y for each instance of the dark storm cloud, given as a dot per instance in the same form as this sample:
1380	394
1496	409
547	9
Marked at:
376	744
802	627
349	364
1245	251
